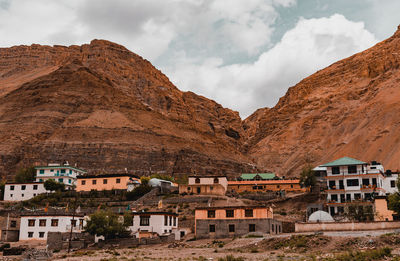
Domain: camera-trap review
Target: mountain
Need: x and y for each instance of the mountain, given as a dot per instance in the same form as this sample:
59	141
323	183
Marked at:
350	108
107	109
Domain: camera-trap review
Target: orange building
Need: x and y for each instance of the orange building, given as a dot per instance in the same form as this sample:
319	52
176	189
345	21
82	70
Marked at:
231	221
104	182
382	213
289	185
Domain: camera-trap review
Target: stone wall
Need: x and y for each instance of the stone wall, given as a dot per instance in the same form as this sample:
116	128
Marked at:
263	226
346	226
58	240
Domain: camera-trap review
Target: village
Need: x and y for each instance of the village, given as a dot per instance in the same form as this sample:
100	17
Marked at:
64	209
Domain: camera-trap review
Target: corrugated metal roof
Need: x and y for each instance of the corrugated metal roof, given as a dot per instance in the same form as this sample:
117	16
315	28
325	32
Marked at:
342	162
253	175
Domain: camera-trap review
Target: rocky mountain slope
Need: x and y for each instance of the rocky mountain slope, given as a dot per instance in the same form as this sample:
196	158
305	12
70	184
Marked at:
350	108
106	109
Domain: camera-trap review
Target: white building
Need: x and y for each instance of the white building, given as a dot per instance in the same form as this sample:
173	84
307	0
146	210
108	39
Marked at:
62	173
36	226
147	223
23	191
351	180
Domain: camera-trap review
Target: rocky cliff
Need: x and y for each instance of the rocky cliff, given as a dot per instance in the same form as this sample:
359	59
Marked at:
350	108
106	109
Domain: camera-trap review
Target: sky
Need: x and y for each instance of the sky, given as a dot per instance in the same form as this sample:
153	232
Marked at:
244	54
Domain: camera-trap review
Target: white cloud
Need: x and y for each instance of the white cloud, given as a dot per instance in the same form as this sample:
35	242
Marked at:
311	45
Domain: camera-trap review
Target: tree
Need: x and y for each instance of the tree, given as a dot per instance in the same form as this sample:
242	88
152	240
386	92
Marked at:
25	175
53	185
138	192
360	213
105	223
144	180
307	177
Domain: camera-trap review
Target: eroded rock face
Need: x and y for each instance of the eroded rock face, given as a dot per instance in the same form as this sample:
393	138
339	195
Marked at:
106	109
351	108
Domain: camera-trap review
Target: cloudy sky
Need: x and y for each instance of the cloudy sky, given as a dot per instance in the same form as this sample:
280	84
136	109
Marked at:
243	54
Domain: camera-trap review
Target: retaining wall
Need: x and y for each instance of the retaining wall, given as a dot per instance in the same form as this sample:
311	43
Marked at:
346	226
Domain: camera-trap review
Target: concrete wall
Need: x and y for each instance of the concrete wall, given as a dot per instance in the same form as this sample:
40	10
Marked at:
213	189
111	183
208	181
346	226
64	225
23	191
241	227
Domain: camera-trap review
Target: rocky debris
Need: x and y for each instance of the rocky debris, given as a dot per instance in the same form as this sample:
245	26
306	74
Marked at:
36	254
177	245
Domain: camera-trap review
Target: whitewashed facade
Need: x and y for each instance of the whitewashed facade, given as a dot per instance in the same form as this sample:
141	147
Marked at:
36	227
23	191
61	173
350	180
162	223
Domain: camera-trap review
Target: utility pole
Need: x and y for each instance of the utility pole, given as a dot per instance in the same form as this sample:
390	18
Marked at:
72	224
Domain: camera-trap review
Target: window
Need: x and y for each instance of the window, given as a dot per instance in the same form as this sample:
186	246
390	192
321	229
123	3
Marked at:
34	194
144	220
69	181
83	182
12	187
62	171
291	186
174	221
30	234
40	180
42	222
22	195
73	223
23	187
41	234
334	197
35	187
352	169
41	171
231	228
165	220
61	180
335	170
252	227
70	171
392	183
31	222
54	222
170	220
216	181
197	181
374	181
365	182
273	228
212	228
230	213
52	170
118	181
211	213
348	197
248	213
11	195
13	223
104	181
352	182
94	182
357	196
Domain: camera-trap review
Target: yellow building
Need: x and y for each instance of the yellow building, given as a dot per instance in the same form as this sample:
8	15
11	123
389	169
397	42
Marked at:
104	182
289	185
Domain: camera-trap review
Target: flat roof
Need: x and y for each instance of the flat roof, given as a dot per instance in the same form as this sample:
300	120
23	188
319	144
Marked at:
207	176
230	207
59	167
44	214
109	175
26	183
264	182
154	213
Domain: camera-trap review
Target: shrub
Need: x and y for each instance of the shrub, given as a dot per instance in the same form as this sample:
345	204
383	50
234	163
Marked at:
230	258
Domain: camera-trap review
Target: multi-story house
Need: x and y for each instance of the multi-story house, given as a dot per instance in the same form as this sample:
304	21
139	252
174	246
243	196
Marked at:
205	185
23	191
149	224
231	221
37	225
61	173
350	180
